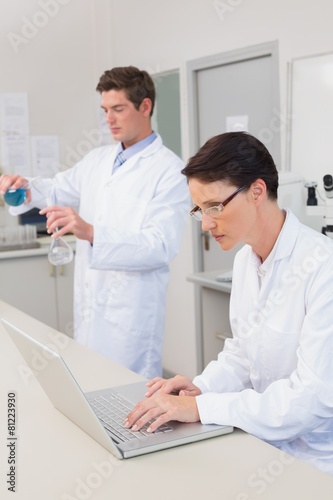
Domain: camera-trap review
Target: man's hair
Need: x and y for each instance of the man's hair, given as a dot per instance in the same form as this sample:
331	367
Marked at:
137	84
236	158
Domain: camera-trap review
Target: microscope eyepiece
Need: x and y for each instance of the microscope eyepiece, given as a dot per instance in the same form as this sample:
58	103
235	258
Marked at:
312	199
328	185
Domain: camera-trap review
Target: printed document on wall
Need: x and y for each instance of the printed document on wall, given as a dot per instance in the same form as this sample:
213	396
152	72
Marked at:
237	123
45	155
15	154
14	113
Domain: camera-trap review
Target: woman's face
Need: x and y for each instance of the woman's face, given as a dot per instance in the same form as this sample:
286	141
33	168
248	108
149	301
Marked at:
235	223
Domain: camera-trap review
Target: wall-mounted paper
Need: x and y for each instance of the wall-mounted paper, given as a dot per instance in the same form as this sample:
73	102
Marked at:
14	113
45	155
15	154
237	123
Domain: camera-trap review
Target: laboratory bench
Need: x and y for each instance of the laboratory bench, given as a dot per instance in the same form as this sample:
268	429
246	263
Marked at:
29	282
56	460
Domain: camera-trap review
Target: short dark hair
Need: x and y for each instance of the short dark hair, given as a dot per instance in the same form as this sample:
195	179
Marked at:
137	84
236	158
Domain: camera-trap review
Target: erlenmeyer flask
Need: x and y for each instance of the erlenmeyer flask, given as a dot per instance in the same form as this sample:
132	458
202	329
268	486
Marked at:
60	252
15	197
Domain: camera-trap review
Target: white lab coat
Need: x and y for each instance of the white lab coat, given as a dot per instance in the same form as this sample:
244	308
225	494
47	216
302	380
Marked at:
120	281
274	379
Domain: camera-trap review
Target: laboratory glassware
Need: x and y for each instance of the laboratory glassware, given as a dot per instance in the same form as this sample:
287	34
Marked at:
15	197
60	252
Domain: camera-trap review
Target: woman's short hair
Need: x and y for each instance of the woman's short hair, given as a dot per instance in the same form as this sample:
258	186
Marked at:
236	158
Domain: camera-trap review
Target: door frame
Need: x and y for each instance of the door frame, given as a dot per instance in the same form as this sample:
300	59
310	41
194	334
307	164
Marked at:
192	67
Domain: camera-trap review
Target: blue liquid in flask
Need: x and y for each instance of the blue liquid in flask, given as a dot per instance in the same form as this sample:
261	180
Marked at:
15	197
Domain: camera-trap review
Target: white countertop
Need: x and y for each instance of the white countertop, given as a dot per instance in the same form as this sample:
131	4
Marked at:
44	242
208	279
58	461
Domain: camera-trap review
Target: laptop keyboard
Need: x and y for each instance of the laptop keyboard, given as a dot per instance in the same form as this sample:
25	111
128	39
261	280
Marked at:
112	410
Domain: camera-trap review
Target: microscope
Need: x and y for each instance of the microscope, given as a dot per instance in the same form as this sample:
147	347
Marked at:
325	206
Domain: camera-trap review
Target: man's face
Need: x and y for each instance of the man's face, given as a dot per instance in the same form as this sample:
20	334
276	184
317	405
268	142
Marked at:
234	223
127	124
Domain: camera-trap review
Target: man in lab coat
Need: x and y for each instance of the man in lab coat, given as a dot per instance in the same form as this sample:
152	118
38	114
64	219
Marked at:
274	378
132	201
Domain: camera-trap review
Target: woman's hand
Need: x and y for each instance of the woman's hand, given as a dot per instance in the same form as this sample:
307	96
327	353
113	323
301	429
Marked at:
161	408
179	385
171	399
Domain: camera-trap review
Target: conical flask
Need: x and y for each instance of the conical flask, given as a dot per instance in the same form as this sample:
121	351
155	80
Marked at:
60	253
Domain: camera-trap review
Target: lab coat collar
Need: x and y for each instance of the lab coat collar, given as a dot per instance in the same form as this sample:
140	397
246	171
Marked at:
147	151
135	148
284	243
288	236
131	162
152	148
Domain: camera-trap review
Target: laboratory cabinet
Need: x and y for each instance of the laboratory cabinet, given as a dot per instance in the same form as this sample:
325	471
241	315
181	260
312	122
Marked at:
30	283
214	325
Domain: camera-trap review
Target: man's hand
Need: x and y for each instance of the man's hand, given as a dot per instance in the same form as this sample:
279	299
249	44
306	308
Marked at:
14	182
67	221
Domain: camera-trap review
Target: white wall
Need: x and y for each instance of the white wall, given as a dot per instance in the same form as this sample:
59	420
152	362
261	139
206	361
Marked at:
51	50
164	35
55	51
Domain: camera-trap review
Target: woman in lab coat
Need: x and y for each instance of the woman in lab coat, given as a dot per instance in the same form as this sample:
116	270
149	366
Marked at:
274	378
128	225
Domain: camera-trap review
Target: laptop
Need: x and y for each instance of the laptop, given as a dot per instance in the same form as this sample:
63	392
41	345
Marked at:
98	413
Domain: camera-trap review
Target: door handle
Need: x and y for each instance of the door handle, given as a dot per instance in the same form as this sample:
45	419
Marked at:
223	336
51	270
205	236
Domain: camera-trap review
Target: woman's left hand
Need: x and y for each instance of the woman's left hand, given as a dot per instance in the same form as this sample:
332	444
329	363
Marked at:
162	408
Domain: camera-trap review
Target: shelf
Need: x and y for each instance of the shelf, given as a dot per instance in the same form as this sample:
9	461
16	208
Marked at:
208	280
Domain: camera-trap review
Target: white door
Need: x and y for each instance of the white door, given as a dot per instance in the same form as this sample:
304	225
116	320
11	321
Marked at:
237	90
